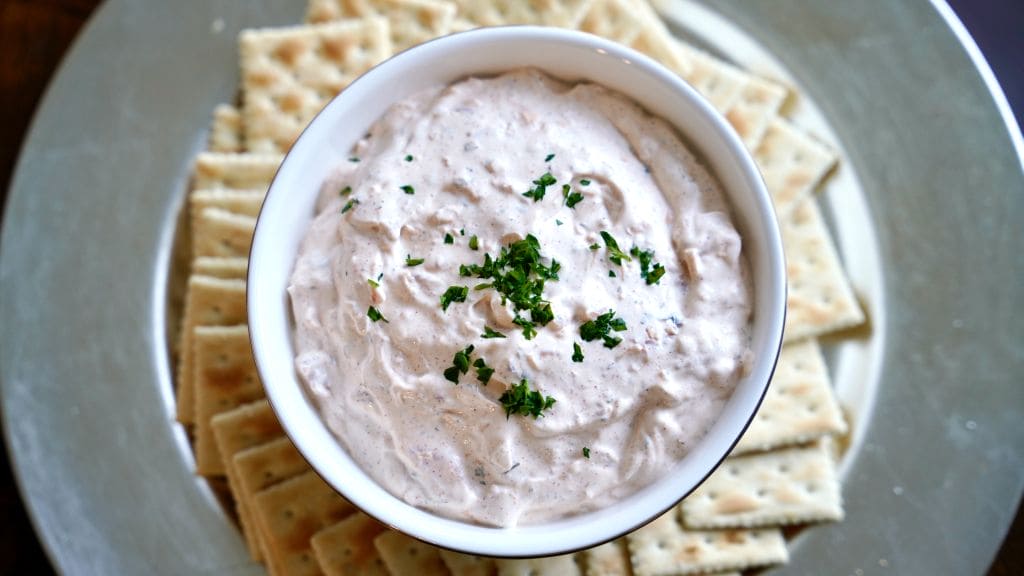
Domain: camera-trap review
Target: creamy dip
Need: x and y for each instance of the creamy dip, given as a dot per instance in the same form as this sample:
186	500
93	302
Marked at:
452	165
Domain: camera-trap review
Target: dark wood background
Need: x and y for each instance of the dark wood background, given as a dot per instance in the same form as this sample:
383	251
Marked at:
35	34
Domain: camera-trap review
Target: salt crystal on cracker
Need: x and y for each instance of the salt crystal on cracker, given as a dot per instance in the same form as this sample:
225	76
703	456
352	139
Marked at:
410	21
289	74
405	555
780	488
563	565
800	405
819	299
664	548
225	130
226	378
346	548
792	163
208	301
289	514
237	171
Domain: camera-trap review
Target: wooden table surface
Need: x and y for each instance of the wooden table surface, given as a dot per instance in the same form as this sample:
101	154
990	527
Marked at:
34	35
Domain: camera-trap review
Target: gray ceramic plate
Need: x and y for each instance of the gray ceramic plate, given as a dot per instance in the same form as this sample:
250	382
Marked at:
931	231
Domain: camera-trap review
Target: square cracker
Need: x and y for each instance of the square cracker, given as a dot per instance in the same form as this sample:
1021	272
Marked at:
410	21
784	487
289	74
346	548
460	564
565	14
792	163
238	171
226	378
756	108
405	555
564	565
820	299
664	547
226	268
225	130
608	559
209	301
800	405
234	431
219	233
289	514
245	202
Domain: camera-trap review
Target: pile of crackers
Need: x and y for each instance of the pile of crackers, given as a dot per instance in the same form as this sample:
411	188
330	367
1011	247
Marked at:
781	475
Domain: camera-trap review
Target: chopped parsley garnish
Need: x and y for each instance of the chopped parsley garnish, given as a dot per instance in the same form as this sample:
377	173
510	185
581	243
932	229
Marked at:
462	232
594	246
528	329
375	315
353	159
460	364
518	274
540	186
614	253
491	333
519	399
586	452
373	282
611	273
408	157
408	189
577	352
345	191
453	294
571	199
648	272
557	221
410	261
549	157
483	371
474	243
599	328
584	182
448	239
349	205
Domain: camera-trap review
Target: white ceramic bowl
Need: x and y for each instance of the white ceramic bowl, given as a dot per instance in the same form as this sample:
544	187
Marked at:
289	209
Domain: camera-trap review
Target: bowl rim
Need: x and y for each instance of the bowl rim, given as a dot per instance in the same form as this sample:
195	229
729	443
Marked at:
755	188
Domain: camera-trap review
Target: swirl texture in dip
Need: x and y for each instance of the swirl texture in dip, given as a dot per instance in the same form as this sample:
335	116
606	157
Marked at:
373	341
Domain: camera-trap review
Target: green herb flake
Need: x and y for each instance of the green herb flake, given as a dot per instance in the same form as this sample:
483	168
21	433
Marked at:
540	186
408	189
577	352
408	158
483	371
519	399
558	222
586	452
375	315
594	246
349	205
453	294
373	282
528	329
611	273
615	255
460	364
353	159
448	239
584	182
570	199
410	261
474	243
600	327
650	271
491	333
345	191
462	232
549	157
